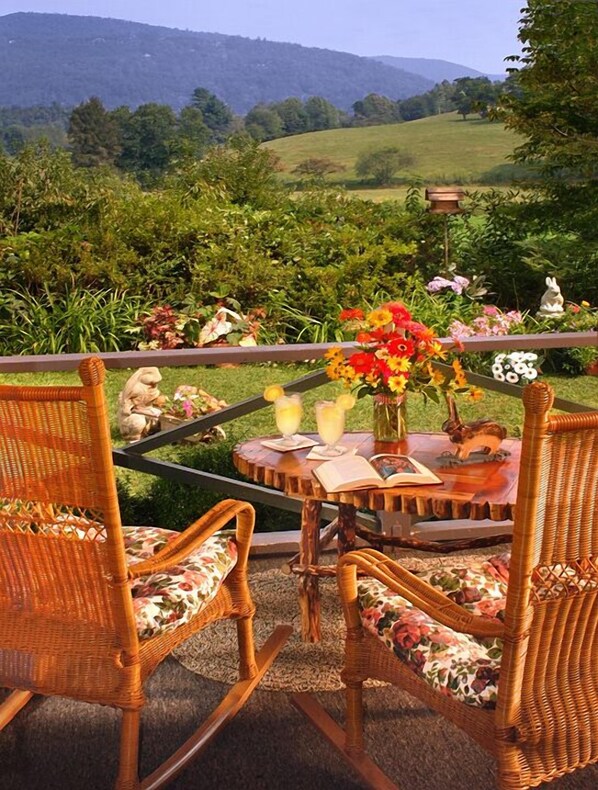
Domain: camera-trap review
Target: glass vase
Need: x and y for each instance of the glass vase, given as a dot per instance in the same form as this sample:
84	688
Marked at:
390	418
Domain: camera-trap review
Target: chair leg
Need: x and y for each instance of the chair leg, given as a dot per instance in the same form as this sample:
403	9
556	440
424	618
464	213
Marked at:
247	663
12	705
128	766
354	724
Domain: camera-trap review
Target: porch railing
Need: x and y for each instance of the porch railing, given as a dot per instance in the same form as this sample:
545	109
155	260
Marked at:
133	456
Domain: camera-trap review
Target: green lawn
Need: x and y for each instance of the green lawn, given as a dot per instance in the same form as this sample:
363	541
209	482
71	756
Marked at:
446	148
145	499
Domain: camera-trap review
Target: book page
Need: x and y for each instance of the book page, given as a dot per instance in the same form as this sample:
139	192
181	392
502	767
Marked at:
402	470
343	474
388	465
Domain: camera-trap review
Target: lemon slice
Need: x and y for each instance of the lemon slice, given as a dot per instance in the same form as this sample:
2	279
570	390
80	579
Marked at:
272	392
346	401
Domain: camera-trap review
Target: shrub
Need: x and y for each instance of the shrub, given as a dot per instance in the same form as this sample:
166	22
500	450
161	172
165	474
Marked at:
79	321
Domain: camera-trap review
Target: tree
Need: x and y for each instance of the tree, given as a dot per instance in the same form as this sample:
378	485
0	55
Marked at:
193	136
376	109
263	123
555	101
382	164
93	135
475	95
414	108
292	115
316	168
149	140
321	114
216	114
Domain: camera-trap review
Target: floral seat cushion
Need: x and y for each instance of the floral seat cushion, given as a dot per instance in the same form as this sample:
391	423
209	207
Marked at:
456	664
163	601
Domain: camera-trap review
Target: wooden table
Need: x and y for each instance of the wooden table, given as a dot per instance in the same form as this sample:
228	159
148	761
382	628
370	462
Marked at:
476	489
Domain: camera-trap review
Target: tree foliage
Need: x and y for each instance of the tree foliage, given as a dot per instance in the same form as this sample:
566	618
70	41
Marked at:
382	164
93	135
553	104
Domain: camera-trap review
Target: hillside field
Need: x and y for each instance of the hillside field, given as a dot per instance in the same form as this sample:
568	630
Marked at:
447	149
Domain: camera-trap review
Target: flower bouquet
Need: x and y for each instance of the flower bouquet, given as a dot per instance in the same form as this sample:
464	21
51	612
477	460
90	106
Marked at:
395	355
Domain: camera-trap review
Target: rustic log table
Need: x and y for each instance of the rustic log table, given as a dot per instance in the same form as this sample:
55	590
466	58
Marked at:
476	489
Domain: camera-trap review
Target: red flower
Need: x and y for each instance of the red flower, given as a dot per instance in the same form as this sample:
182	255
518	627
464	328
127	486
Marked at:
362	362
351	314
401	347
364	337
399	311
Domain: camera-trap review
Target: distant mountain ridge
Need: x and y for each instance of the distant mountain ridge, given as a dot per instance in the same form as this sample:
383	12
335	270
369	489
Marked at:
435	70
47	58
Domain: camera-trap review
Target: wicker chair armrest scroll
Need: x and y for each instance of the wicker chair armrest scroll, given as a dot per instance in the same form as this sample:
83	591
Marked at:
198	532
418	592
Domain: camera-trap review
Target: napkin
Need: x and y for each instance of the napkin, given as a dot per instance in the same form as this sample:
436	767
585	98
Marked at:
301	442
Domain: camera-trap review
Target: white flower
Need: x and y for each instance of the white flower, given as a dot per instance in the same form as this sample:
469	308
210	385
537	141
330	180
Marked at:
531	374
496	369
530	356
516	356
521	368
499	376
512	378
499	358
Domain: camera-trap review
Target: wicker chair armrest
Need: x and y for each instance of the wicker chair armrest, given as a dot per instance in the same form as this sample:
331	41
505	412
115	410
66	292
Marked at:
197	533
419	593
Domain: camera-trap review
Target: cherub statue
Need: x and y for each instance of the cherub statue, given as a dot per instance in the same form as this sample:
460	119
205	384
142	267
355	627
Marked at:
139	404
552	299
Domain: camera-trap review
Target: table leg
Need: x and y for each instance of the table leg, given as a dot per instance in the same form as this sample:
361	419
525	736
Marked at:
346	528
309	552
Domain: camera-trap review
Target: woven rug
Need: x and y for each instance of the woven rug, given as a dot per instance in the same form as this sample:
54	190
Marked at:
301	666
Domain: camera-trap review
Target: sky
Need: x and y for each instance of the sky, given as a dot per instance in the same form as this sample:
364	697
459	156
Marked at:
474	33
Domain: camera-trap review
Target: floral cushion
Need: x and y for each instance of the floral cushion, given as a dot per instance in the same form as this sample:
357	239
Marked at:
163	601
456	664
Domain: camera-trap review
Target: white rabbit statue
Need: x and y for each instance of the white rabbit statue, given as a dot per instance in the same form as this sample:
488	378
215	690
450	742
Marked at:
552	299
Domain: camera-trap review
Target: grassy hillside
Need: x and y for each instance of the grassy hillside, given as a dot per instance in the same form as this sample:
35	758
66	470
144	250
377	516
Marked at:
446	148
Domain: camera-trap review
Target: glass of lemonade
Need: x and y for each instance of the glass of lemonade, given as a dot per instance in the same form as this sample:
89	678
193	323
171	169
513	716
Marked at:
288	410
330	419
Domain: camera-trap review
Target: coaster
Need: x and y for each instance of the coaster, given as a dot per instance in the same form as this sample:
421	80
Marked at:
276	444
316	454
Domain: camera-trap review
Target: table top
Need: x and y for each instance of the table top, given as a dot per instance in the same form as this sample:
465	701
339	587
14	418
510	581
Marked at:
476	490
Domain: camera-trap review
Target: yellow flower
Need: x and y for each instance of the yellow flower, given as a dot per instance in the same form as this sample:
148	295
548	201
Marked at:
371	379
334	353
380	317
437	349
397	384
475	394
399	364
584	303
459	378
436	377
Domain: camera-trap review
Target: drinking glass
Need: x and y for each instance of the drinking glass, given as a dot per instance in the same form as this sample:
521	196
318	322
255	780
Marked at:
288	410
330	419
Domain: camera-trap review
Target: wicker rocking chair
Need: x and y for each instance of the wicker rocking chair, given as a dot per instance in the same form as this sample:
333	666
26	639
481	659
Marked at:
88	609
447	637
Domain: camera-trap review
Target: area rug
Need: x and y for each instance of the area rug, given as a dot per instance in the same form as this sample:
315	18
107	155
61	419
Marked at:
301	666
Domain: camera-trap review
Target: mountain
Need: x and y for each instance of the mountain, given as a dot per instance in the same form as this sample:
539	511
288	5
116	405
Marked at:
435	70
47	58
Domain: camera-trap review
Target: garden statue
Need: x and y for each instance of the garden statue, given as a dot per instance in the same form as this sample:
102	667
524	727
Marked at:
139	404
552	300
484	435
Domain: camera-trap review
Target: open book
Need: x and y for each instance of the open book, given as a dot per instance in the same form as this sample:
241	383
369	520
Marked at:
381	471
